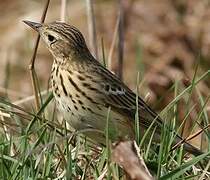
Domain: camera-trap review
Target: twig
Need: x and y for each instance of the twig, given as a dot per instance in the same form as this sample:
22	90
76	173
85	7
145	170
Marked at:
7	132
31	65
190	137
127	155
2	115
205	172
92	27
109	63
120	39
103	53
103	174
63	10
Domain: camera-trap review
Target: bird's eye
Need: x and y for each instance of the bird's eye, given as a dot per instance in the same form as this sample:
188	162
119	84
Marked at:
51	38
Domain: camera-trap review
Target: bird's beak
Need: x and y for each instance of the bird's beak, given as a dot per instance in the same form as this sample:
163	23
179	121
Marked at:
33	25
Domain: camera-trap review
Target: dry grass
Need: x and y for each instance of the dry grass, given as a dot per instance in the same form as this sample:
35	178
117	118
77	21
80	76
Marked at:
164	40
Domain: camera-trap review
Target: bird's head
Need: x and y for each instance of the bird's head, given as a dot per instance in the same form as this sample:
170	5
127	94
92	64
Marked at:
63	40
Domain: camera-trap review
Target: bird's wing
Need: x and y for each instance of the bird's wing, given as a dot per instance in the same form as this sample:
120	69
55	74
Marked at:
120	98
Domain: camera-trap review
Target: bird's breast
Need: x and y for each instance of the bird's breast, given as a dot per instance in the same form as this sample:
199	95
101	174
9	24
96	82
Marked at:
80	100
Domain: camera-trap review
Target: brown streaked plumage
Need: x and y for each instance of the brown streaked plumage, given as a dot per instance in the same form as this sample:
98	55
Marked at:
84	89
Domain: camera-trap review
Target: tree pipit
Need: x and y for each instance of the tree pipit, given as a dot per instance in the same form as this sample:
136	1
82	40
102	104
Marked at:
84	90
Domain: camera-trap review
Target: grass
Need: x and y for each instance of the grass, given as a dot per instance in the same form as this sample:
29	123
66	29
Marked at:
38	145
45	148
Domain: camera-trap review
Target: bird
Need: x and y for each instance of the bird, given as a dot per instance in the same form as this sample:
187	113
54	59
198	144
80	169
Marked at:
86	93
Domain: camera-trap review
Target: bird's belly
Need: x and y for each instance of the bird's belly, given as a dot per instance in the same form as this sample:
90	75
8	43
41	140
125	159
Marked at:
93	121
84	110
68	112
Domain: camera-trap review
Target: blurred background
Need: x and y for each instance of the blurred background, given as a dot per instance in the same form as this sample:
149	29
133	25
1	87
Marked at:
164	41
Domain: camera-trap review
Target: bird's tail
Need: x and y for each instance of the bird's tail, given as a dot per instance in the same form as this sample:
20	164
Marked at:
187	146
